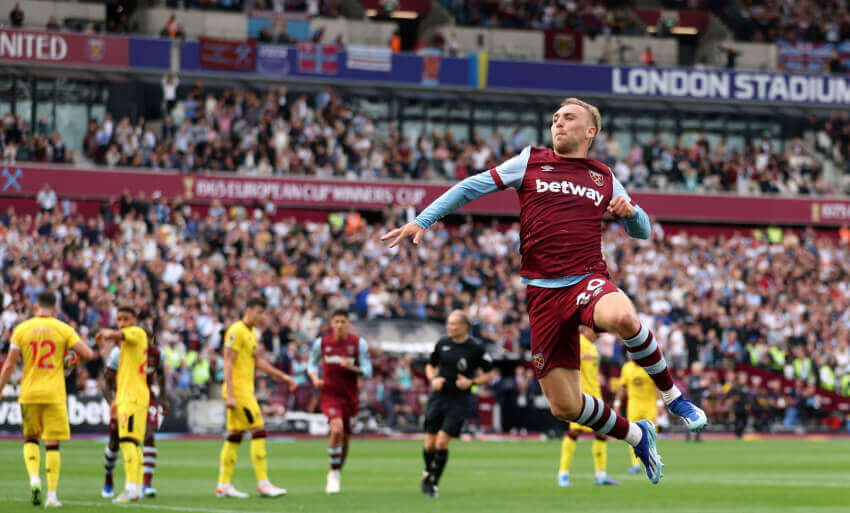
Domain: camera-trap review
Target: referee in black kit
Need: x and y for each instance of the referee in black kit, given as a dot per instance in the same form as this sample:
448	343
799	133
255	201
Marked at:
452	371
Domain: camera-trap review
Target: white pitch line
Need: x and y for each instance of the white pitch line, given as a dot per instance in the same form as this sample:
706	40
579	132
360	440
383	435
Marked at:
147	506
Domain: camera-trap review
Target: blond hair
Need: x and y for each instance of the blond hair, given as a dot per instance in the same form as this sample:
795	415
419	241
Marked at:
464	317
592	110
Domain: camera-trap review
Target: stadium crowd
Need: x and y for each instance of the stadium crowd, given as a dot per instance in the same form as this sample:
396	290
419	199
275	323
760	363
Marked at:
323	136
757	299
804	21
591	18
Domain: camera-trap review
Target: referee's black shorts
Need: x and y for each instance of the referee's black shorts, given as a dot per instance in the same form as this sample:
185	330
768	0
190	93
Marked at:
446	412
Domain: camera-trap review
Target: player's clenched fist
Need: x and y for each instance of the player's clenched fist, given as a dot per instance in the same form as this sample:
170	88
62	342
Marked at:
620	208
409	230
230	402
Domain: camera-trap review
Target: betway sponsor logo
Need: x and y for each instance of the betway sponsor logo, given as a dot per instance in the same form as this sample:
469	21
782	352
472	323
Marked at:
566	187
27	45
309	192
92	413
333	359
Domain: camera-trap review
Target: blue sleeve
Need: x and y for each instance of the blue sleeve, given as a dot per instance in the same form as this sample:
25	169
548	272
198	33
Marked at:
363	358
113	358
510	173
460	194
638	225
315	356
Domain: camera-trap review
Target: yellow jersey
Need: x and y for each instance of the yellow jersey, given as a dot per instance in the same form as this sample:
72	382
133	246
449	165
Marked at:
589	368
639	385
243	341
131	379
43	341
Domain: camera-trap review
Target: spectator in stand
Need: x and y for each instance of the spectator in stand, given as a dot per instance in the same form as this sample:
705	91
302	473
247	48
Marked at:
16	16
46	198
648	58
172	29
52	24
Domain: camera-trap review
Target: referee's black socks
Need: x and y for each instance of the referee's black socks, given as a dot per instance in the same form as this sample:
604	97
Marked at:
429	459
438	464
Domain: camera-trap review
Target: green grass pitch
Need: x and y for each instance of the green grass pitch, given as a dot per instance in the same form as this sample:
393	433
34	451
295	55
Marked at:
776	476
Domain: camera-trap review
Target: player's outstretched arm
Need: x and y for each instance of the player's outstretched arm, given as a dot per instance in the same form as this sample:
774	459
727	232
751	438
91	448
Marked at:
83	350
108	335
458	195
9	366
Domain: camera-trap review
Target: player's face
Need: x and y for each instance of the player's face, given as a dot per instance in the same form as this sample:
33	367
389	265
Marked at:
455	327
256	315
125	319
571	126
339	325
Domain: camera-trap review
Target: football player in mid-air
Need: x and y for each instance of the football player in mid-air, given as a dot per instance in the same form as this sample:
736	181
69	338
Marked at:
563	197
589	385
42	341
157	409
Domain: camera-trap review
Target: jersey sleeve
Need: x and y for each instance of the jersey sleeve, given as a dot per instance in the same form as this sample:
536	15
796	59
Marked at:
434	359
114	358
17	336
638	225
460	194
485	361
133	335
507	174
363	358
232	339
71	336
315	356
511	172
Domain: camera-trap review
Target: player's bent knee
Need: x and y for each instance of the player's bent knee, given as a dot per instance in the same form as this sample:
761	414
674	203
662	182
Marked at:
625	324
566	412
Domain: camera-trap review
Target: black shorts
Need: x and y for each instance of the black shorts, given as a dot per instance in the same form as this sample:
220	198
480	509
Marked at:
446	413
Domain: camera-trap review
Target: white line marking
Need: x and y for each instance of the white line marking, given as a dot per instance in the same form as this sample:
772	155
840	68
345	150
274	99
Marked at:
137	505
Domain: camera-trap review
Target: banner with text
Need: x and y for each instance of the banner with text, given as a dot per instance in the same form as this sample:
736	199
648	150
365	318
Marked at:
702	84
64	48
76	183
227	54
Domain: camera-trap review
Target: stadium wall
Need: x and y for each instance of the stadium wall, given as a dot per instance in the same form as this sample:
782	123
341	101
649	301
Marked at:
298	192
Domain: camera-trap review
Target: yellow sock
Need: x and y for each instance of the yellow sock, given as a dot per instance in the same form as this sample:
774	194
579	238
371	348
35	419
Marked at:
258	457
568	450
131	457
228	461
600	454
32	458
140	466
51	464
635	459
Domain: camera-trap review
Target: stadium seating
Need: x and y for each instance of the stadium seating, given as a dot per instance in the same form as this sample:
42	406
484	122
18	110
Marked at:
744	306
284	133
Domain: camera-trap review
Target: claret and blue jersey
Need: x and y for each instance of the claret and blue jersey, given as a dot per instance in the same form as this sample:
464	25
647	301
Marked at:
562	202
